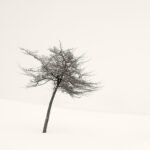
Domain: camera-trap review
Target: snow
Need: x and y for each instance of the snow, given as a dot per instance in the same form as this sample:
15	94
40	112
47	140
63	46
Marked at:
21	129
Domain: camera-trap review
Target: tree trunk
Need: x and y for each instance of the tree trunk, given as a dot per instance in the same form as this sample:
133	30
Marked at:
49	109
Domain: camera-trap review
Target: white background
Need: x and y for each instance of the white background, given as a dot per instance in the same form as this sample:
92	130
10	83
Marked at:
115	36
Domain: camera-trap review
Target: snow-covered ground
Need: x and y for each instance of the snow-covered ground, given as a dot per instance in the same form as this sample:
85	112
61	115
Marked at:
21	129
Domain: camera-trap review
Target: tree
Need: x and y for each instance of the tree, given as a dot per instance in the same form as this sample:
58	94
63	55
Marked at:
65	71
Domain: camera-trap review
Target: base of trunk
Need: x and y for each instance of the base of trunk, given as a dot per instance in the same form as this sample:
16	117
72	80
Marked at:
44	131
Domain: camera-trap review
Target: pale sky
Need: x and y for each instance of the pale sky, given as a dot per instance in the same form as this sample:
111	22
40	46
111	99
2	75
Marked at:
114	34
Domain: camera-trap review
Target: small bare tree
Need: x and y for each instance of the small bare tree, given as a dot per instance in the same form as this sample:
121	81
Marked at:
64	70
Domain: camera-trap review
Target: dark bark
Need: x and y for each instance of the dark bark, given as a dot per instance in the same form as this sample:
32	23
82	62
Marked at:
49	109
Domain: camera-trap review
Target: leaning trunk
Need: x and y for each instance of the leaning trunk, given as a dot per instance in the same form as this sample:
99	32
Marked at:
49	109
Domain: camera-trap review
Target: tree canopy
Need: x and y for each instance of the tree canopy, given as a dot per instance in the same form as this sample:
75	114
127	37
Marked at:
63	68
